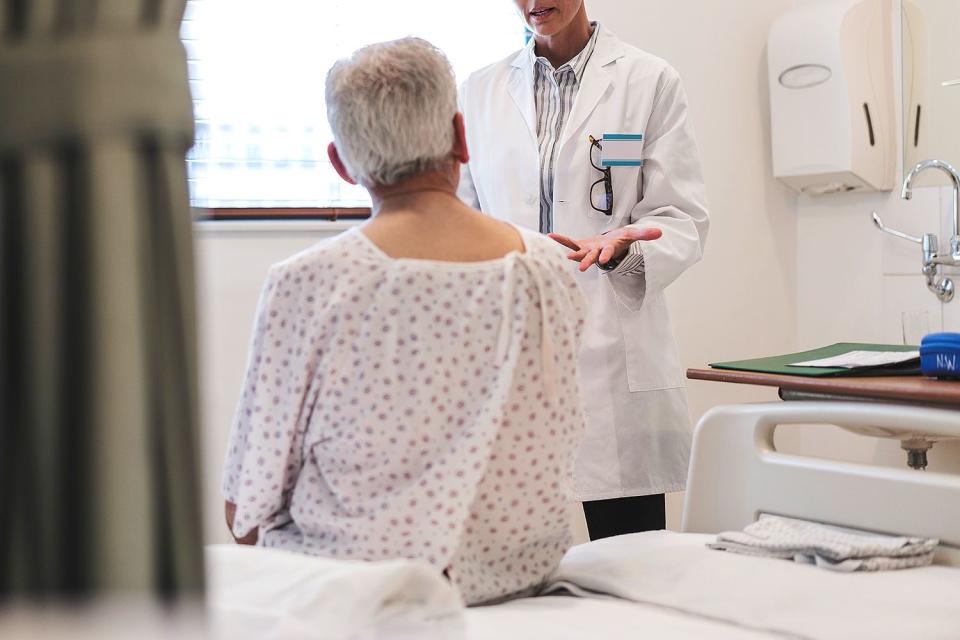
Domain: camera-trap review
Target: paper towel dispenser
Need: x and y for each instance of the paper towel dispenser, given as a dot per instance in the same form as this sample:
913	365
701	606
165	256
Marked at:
831	96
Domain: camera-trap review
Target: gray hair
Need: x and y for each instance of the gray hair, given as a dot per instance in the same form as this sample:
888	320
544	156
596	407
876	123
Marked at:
391	107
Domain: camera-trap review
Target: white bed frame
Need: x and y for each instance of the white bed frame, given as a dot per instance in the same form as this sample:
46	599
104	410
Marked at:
736	473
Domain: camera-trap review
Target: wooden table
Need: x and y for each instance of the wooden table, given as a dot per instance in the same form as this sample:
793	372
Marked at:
907	389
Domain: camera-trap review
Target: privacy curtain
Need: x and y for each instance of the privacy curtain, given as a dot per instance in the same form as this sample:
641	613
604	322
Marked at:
98	414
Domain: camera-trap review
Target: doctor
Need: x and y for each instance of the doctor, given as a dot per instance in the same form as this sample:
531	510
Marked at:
587	138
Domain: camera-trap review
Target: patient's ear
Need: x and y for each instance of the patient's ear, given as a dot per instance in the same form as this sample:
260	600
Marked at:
337	163
460	152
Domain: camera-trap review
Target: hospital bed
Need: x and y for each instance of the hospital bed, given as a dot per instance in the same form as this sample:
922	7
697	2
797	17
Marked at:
669	585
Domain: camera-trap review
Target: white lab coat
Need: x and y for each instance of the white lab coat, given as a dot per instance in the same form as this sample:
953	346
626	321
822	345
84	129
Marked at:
638	425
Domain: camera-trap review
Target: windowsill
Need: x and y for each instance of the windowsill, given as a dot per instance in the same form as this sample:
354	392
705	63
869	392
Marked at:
282	227
278	220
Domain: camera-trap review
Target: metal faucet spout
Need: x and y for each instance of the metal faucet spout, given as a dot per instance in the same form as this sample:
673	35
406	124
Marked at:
907	194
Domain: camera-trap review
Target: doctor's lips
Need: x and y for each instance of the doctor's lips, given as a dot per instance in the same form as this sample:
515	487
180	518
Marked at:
539	14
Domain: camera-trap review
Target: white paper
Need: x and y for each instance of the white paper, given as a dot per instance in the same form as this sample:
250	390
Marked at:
853	359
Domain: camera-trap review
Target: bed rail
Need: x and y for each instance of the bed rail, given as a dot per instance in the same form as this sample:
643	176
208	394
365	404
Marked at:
736	473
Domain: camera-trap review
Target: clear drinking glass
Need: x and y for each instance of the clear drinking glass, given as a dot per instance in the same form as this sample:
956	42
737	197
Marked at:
916	325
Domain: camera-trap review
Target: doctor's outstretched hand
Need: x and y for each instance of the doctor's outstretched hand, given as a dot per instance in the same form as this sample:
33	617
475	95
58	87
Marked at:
601	249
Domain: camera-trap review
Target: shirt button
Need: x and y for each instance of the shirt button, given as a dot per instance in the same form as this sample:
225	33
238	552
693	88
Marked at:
531	199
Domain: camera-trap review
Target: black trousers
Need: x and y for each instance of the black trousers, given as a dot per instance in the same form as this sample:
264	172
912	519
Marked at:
607	518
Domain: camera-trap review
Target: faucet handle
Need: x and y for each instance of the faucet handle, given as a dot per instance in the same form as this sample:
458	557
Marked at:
899	234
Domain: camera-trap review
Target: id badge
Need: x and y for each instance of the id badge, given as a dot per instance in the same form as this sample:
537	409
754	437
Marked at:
622	150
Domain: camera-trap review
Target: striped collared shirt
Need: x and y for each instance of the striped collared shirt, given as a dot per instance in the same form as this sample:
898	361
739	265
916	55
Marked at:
554	93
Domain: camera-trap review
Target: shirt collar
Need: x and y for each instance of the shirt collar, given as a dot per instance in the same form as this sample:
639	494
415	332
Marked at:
578	63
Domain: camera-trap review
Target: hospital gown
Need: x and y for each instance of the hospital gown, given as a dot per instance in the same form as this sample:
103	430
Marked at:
413	408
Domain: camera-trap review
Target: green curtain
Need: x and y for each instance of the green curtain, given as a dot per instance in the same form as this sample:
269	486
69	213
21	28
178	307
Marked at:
99	485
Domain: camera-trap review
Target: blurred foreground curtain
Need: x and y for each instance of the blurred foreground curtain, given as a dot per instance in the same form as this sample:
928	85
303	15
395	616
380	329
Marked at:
98	421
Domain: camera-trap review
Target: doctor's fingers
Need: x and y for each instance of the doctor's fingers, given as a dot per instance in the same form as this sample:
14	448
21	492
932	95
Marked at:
590	258
565	241
607	254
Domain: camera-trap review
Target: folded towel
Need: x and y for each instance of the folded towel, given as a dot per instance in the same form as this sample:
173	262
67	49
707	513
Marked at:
827	546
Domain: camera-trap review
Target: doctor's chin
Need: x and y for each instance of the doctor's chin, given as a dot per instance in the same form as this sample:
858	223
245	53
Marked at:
524	319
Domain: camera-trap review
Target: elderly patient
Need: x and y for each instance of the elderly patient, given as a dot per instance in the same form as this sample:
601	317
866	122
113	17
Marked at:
411	389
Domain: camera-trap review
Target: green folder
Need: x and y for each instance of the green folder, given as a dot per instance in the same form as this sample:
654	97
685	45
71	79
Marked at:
779	364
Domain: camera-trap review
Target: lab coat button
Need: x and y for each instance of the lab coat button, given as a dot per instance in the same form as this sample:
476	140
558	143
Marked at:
531	199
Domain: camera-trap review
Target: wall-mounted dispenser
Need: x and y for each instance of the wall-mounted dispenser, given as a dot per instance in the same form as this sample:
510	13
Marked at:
831	96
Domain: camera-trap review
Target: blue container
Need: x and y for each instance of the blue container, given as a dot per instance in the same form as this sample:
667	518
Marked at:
940	356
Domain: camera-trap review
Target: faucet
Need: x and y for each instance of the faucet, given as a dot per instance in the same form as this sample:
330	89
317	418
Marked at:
953	259
942	287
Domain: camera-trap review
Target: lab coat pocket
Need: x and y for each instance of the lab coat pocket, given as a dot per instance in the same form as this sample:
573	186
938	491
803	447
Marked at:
653	360
627	185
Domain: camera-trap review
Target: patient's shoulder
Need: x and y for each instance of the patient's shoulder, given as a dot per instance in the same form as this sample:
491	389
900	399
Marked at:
317	267
324	254
542	246
551	257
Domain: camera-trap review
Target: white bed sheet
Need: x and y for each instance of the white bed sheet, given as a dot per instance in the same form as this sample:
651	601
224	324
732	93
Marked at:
669	585
572	618
672	586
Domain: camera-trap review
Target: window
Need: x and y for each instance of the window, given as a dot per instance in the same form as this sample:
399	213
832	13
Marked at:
257	71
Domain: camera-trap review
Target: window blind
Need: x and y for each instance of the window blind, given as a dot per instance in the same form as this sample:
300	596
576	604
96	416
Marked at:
257	71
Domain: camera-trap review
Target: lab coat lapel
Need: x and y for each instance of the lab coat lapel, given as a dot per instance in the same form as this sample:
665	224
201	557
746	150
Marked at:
595	82
520	88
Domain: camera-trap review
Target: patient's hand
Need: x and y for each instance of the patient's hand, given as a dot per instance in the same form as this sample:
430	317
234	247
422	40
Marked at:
604	248
230	511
